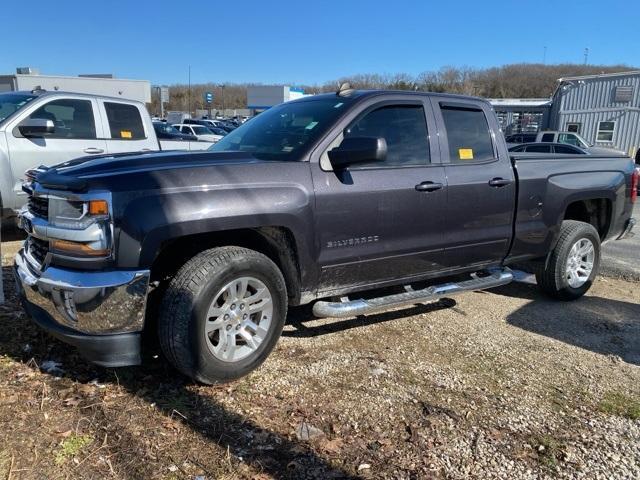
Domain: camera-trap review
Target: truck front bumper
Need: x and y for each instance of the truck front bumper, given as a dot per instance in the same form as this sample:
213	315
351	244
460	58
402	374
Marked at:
100	313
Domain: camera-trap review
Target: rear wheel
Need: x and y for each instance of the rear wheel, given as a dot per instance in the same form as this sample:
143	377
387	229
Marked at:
573	263
222	314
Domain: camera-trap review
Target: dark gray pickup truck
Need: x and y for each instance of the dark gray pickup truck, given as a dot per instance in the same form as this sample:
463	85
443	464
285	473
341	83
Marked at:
311	201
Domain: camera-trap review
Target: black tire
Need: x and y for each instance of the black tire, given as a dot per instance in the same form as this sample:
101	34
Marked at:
552	276
184	312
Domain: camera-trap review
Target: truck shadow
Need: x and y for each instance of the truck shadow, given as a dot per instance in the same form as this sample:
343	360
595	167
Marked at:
300	317
275	454
602	325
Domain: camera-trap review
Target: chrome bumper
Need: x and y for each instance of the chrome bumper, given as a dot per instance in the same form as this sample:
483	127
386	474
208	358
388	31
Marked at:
94	303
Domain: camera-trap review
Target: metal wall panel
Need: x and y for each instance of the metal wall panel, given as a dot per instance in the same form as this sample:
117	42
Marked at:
591	100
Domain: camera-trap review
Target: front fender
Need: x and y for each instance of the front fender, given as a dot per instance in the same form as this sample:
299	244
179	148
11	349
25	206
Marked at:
152	220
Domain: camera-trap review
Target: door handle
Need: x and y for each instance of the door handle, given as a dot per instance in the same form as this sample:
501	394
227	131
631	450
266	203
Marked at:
93	151
499	182
428	187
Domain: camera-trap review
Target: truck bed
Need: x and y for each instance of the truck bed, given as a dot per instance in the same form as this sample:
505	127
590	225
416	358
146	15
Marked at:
548	185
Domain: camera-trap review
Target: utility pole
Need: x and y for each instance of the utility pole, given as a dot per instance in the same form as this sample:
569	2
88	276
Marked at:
586	55
189	90
223	114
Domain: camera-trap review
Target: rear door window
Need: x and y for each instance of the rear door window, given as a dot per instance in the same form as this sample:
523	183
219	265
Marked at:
71	118
125	122
468	134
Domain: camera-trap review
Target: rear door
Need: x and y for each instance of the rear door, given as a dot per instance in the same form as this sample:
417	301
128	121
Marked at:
124	128
78	133
374	221
481	184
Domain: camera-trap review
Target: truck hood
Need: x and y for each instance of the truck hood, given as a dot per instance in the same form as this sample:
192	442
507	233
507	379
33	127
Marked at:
77	175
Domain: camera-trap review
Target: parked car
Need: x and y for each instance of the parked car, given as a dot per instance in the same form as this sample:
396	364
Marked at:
218	131
561	148
518	138
572	138
214	125
164	131
199	131
317	198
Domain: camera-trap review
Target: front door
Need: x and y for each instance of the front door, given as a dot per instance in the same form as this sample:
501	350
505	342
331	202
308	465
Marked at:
77	134
382	221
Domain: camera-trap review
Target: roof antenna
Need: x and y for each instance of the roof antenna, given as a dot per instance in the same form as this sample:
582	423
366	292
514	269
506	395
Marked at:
38	89
345	90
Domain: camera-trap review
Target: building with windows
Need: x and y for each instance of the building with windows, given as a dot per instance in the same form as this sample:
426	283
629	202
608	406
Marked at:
262	97
603	109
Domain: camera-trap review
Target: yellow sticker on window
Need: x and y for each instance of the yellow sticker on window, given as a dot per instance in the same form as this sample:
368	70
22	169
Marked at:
125	133
465	153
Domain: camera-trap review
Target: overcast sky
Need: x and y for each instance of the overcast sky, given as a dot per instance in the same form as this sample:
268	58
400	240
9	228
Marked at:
309	42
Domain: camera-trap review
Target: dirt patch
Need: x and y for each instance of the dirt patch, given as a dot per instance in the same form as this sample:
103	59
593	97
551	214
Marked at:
501	384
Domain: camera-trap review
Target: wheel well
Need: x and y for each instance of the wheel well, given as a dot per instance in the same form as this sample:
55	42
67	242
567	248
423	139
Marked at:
595	211
277	243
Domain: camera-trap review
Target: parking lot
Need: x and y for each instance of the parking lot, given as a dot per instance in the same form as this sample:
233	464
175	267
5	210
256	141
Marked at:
498	384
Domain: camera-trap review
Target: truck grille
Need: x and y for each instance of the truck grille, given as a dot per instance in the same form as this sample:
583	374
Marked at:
38	206
38	249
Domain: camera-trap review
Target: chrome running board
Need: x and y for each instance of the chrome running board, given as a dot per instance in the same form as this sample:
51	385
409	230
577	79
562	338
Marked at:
352	308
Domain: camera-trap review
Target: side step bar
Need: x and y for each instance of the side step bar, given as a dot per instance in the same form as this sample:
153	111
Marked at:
352	308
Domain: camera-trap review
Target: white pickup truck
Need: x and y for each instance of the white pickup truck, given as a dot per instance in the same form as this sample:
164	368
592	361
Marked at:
49	127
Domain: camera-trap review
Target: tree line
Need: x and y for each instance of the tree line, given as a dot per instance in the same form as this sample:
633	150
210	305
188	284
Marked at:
525	80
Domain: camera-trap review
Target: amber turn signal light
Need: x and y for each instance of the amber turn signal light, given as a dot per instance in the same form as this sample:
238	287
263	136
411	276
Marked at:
98	207
75	248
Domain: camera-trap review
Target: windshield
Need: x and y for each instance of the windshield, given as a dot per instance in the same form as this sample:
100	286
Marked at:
281	132
573	139
200	130
12	102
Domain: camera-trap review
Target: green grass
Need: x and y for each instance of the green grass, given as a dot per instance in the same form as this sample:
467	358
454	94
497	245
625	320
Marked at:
621	405
552	452
71	446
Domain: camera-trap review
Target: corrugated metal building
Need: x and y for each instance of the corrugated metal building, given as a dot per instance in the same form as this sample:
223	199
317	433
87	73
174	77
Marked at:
522	115
604	109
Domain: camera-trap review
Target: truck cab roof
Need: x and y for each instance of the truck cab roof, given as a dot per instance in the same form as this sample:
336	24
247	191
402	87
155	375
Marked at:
61	93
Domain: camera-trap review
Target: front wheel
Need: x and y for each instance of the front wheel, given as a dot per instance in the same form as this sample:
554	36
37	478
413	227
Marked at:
222	314
573	264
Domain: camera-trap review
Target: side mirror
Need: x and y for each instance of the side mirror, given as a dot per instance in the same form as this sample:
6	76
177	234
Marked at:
36	127
357	150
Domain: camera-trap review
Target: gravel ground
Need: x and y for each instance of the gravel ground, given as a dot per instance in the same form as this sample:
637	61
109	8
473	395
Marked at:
499	384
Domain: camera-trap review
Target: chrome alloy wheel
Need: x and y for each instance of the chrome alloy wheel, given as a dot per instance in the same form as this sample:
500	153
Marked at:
580	263
238	319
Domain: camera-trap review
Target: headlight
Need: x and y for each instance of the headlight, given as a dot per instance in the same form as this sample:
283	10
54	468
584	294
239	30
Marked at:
84	227
76	214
